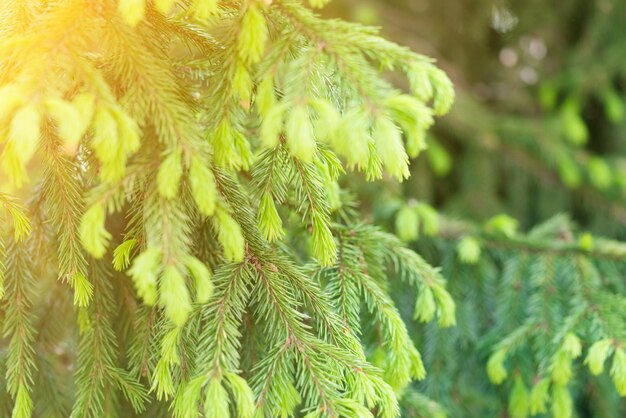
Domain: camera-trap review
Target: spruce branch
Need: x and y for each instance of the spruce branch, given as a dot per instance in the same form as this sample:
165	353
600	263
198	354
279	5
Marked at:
18	327
562	243
145	119
63	193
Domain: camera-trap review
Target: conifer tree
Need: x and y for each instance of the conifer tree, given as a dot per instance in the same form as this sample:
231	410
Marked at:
536	132
175	241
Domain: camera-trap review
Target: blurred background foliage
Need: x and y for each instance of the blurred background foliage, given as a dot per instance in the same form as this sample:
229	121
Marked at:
535	142
540	108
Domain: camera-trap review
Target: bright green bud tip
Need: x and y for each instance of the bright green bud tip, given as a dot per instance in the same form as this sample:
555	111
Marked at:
618	371
121	254
68	120
390	148
418	371
562	404
216	403
242	394
447	307
518	400
324	247
170	172
300	137
407	224
93	235
24	133
270	224
561	367
502	224
495	367
202	278
230	237
174	296
265	96
253	34
539	397
425	307
272	126
203	187
586	241
572	345
444	91
468	250
144	271
597	355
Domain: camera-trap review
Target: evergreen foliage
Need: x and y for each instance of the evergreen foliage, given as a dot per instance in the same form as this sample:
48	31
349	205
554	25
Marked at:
536	131
197	197
184	248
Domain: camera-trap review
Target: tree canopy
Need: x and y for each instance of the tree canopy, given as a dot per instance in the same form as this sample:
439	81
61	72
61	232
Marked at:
247	209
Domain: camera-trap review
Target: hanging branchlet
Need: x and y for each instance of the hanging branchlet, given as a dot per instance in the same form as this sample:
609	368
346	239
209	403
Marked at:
172	149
